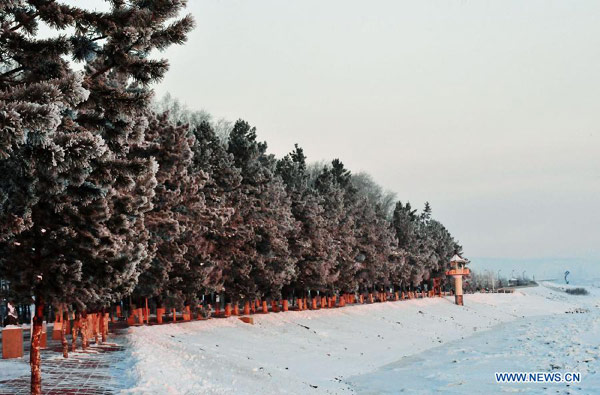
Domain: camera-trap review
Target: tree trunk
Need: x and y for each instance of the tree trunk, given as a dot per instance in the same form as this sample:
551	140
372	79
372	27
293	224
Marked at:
103	325
95	328
34	354
74	332
83	330
63	333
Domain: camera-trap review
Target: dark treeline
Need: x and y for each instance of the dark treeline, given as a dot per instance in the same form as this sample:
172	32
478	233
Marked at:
273	228
103	197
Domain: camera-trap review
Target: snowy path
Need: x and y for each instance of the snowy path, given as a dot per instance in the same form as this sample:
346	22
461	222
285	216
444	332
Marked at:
98	370
323	351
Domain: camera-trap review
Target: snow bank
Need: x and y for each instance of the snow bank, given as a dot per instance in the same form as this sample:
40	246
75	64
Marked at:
551	343
315	351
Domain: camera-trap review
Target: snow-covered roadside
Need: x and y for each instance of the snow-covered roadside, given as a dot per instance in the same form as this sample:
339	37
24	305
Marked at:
559	343
316	351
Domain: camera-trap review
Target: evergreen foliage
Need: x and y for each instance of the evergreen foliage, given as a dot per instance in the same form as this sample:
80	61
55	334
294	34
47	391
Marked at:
105	194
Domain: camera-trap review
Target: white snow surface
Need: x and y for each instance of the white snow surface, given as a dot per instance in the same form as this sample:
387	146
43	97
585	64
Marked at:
422	345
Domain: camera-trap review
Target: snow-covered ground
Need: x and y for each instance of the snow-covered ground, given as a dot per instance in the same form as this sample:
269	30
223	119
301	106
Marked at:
419	345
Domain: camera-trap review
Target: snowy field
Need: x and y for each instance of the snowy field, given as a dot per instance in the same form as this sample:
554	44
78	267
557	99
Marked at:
420	346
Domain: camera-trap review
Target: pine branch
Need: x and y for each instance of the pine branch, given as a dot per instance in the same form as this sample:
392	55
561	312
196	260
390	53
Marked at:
20	25
6	74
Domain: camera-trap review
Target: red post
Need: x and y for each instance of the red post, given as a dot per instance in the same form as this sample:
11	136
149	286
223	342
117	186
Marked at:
236	308
228	310
160	311
265	309
314	303
12	343
174	315
285	305
299	304
247	308
147	313
274	306
140	316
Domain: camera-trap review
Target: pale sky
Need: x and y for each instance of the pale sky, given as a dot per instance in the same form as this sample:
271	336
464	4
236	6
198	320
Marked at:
487	109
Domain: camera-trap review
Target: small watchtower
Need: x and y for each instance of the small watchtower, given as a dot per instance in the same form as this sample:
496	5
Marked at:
458	271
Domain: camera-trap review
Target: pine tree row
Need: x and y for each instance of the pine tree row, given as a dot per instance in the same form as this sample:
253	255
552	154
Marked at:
268	228
102	197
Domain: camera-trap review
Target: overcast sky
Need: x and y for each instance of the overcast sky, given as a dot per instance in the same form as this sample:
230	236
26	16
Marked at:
489	110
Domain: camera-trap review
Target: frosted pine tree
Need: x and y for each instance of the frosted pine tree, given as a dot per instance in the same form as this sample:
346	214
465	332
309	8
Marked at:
405	222
174	222
311	243
224	232
263	264
82	223
333	185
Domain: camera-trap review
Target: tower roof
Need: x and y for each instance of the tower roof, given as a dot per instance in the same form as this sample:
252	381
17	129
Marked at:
458	259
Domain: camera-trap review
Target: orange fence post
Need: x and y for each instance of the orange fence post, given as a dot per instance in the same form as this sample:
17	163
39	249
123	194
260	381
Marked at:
265	309
12	343
160	311
174	315
236	308
228	310
57	329
285	305
314	303
247	308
